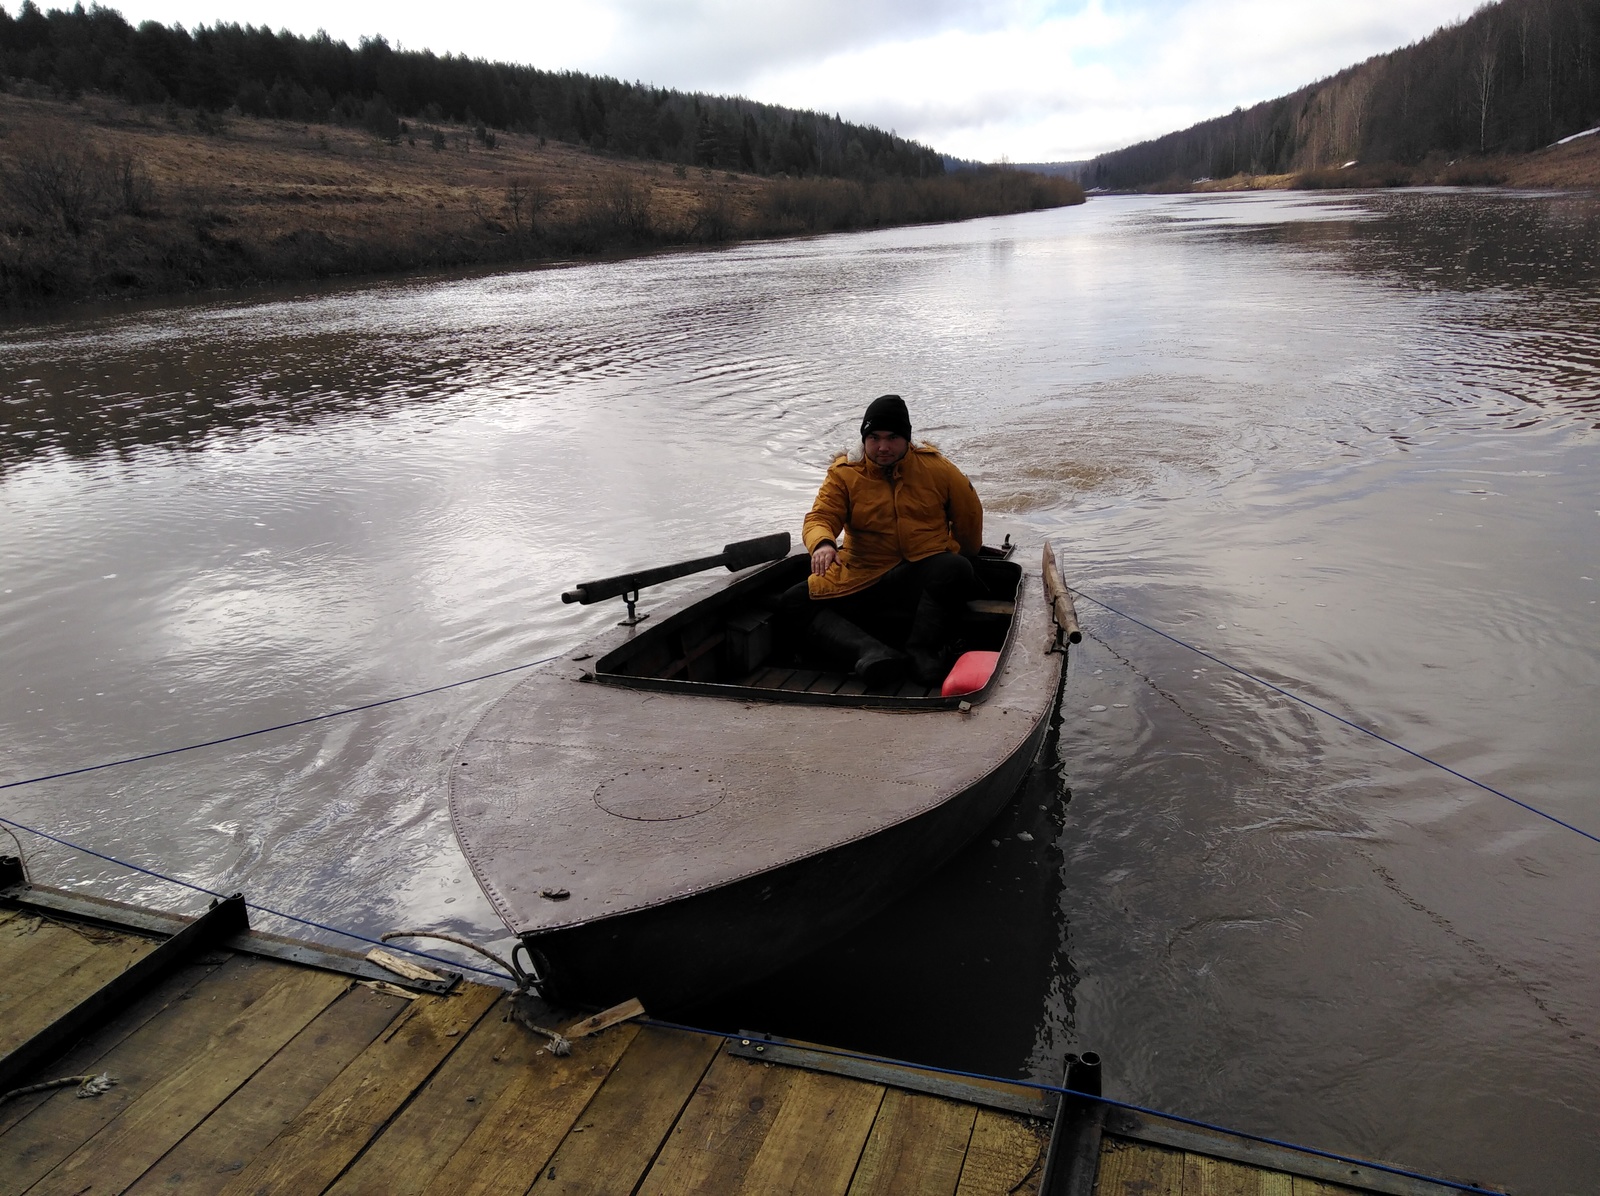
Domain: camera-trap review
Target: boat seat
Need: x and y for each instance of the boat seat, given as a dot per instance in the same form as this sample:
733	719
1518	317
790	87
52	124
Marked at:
991	607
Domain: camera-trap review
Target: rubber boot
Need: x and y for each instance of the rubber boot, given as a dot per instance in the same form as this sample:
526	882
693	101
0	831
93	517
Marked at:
930	655
872	660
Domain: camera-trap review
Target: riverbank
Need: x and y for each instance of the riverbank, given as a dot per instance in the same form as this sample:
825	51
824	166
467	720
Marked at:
1573	166
103	199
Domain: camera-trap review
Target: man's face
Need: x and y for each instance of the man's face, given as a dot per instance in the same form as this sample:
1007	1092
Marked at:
885	448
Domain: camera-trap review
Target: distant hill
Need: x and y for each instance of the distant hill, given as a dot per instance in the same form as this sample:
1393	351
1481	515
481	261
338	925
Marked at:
1060	170
317	80
1515	76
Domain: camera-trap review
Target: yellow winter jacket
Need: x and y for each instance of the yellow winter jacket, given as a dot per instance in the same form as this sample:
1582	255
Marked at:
926	505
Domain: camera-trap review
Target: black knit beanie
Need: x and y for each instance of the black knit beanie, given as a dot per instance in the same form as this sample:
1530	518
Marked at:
887	414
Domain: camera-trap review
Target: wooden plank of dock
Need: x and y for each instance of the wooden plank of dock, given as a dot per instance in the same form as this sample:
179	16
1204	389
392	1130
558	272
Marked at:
240	1074
49	967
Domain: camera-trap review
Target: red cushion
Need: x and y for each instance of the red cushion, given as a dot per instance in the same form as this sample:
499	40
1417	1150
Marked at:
970	673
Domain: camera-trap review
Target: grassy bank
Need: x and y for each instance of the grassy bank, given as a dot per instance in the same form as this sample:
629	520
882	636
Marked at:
1574	166
103	199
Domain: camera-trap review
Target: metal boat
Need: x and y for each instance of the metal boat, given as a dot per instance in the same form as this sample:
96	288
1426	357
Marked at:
669	811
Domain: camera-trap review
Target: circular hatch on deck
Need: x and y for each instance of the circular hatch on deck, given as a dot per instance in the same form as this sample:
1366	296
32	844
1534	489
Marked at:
659	793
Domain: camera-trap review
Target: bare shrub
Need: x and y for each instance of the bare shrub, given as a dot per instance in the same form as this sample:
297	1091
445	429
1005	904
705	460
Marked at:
815	205
134	192
525	201
1472	174
622	209
1361	177
61	188
713	219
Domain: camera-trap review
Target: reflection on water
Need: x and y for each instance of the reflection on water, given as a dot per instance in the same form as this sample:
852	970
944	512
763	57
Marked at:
1347	441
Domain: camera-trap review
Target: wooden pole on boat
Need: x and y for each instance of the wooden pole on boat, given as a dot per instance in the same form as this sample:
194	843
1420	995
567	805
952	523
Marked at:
1066	615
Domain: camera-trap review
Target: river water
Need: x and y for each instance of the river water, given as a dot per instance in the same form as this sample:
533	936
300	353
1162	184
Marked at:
1346	443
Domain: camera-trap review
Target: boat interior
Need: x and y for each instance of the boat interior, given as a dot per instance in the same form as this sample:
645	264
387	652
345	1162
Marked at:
731	644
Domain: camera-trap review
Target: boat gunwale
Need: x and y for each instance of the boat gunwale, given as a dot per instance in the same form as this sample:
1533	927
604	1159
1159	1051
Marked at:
681	613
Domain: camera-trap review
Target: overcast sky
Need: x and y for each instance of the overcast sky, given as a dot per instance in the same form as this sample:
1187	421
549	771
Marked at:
1030	80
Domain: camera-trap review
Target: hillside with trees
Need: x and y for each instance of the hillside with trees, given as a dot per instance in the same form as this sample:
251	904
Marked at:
316	80
154	160
1513	77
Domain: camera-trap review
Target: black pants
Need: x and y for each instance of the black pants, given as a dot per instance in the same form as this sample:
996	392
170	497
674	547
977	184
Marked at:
887	606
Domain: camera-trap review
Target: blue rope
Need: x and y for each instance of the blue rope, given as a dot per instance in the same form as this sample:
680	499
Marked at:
1105	1100
1339	718
262	909
301	722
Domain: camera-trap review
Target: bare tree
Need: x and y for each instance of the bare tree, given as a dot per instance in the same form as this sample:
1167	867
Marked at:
135	193
1483	68
525	196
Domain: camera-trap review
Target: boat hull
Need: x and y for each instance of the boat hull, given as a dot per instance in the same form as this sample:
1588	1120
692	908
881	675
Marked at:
702	945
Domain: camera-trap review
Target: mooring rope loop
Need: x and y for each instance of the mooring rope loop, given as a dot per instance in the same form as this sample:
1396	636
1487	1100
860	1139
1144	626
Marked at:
1354	726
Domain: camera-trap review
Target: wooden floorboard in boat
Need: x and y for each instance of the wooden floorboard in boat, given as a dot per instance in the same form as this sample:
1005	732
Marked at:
243	1075
827	683
768	678
800	679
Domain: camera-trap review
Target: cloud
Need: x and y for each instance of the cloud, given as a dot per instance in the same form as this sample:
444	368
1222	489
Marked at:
1069	85
728	43
1033	80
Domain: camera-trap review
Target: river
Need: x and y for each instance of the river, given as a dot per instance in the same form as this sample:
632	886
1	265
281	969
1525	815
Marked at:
1346	443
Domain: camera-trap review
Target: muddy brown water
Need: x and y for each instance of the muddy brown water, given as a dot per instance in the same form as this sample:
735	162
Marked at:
1347	443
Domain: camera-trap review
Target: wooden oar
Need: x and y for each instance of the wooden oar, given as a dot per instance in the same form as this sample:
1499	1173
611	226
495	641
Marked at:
1066	615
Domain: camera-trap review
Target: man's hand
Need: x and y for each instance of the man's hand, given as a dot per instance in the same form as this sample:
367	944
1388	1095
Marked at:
822	559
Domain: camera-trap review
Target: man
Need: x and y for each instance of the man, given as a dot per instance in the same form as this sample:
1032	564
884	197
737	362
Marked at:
902	570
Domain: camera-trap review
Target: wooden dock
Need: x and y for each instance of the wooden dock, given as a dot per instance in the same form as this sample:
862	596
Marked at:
253	1064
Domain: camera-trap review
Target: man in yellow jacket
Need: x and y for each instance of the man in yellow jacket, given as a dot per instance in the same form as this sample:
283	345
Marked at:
891	535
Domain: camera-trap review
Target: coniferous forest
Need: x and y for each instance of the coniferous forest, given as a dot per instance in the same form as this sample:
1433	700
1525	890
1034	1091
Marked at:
318	80
157	159
1513	77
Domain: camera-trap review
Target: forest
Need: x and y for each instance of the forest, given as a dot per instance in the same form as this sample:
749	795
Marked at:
317	80
1513	77
157	159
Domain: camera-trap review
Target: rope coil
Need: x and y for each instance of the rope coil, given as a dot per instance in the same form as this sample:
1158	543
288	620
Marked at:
88	1086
